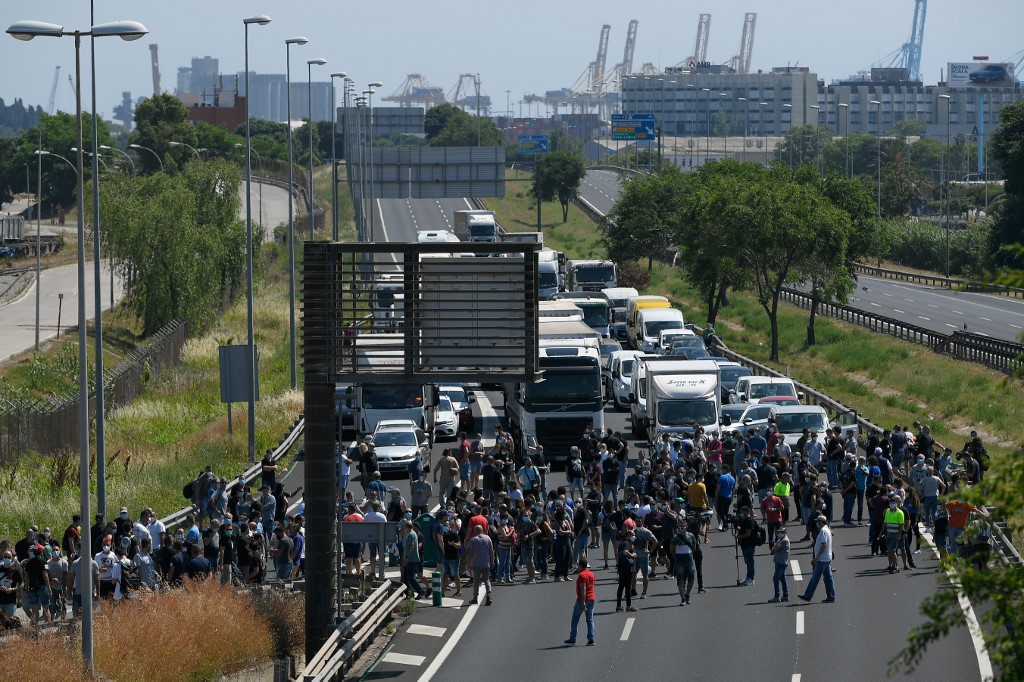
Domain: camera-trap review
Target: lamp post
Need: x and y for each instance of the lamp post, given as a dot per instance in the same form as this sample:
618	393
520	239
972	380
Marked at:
944	196
74	150
185	144
262	20
846	161
309	98
817	135
878	155
762	106
790	145
725	128
360	104
334	156
158	159
291	209
707	131
239	145
743	156
108	148
369	124
39	203
126	30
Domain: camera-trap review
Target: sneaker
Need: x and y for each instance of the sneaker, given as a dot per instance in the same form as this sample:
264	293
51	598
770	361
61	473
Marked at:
458	594
488	602
701	590
774	600
829	600
473	601
682	602
917	551
618	609
643	596
687	600
748	583
571	642
784	598
631	609
529	581
804	597
590	642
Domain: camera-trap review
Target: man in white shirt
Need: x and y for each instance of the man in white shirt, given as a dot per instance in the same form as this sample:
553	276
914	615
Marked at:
375	515
822	562
105	559
157	530
140	529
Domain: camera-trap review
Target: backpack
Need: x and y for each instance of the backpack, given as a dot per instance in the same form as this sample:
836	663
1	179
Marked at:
188	490
131	579
760	534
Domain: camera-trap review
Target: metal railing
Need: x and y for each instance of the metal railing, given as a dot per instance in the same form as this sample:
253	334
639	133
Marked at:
1002	355
937	280
352	635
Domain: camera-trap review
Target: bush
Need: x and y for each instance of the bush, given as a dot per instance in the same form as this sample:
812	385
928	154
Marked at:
922	245
285	614
630	274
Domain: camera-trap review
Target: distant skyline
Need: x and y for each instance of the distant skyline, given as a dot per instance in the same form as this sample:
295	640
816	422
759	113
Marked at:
523	47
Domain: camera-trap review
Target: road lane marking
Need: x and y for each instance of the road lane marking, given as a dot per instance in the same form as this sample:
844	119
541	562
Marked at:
958	312
449	646
628	628
403	659
896	310
796	677
428	630
932	306
799	622
922	317
910	300
981	333
885	294
1015	326
795	565
877	305
984	318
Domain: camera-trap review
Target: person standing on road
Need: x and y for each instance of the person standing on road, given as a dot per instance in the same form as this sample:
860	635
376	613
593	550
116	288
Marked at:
574	471
448	470
723	495
743	529
959	512
684	544
624	567
895	522
780	556
772	510
822	564
420	494
480	551
584	603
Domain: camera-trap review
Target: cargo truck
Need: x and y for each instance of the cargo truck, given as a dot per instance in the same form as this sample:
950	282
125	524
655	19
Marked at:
680	395
476	226
590	275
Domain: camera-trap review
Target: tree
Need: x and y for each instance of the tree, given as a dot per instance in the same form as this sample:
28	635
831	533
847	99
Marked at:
216	140
437	119
908	128
1008	150
560	174
903	185
644	220
160	120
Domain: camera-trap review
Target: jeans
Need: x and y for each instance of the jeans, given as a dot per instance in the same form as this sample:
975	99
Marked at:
563	551
622	474
577	610
748	559
610	492
822	569
579	547
481	575
773	531
540	558
954	534
848	500
779	581
832	472
504	571
860	505
722	505
409	572
284	571
931	505
576	484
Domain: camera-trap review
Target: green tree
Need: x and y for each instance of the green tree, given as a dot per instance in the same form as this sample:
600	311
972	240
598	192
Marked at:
644	221
217	141
559	174
160	120
902	184
1008	150
437	119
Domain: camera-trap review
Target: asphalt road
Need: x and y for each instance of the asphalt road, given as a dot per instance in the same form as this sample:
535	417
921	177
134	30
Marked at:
601	189
727	634
274	205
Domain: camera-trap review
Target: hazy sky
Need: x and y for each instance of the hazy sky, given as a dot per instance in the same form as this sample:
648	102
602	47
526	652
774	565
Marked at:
523	46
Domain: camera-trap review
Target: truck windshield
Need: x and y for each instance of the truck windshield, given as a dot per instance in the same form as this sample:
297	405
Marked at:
481	230
548	280
397	397
652	328
686	412
595	273
561	386
595	313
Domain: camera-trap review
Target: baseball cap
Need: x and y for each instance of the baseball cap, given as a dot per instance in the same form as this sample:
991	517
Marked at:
878	451
367	438
821	519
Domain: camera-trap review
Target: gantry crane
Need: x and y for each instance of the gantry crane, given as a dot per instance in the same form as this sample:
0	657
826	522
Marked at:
700	47
741	62
591	83
416	89
53	91
622	70
155	64
908	55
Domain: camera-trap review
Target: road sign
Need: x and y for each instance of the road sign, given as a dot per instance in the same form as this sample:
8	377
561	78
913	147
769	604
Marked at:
533	144
632	126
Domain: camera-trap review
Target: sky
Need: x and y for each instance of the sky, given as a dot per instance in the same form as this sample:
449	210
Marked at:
525	46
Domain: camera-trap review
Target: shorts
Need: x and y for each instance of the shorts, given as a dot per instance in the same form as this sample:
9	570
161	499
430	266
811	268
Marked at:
353	550
374	547
892	542
942	541
464	471
451	567
40	597
686	572
607	535
643	564
8	609
476	466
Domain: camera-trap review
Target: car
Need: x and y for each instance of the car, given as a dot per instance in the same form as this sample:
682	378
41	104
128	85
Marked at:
617	382
462	400
731	413
989	74
397	442
688	345
792	420
446	423
619	331
751	417
731	373
751	389
780	400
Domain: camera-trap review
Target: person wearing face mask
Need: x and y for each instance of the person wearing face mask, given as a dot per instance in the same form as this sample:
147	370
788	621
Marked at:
10	583
140	529
105	558
37	582
57	569
74	585
451	546
143	559
895	523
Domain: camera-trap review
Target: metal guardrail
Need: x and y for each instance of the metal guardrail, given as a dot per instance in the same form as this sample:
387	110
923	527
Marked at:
1002	355
938	281
352	635
249	475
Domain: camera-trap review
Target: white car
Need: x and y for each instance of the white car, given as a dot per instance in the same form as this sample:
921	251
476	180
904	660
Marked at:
446	424
398	442
620	369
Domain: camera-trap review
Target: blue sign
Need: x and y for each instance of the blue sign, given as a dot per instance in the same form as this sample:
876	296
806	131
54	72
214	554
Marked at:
633	127
533	144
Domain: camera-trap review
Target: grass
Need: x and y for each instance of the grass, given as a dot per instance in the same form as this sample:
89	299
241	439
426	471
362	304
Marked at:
161	440
886	380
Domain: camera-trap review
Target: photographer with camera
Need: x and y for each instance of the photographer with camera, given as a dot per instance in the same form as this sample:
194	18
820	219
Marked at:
723	496
743	527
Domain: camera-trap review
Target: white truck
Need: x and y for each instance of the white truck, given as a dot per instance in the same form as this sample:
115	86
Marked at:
595	309
473	225
650	322
680	395
590	275
556	410
551	274
373	402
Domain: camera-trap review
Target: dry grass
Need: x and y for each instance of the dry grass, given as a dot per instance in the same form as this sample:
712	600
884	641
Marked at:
286	615
47	656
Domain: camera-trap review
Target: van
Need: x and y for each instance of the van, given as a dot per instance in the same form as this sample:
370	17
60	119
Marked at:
752	388
649	324
636	304
792	420
617	299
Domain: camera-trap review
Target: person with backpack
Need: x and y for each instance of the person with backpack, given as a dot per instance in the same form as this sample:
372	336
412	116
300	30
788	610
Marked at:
574	471
684	545
529	478
744	530
610	477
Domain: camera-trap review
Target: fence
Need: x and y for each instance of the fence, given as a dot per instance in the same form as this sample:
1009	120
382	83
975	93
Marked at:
1001	355
937	281
48	426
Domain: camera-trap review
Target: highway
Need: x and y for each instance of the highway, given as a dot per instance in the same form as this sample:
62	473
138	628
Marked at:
853	639
940	310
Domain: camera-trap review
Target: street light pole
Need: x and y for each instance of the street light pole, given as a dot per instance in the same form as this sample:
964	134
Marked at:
846	161
262	20
126	30
310	200
107	147
158	159
944	191
707	132
291	210
725	139
817	136
790	145
334	156
369	126
743	156
185	144
764	133
878	158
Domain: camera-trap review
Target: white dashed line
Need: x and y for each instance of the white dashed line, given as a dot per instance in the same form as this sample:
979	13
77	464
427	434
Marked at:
877	305
895	310
428	630
795	566
984	318
958	312
922	317
885	294
1015	326
951	325
627	629
932	306
981	333
796	677
909	300
403	659
799	622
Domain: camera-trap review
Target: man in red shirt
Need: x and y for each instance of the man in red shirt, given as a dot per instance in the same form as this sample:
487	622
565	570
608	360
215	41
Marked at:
959	514
584	602
772	509
478	519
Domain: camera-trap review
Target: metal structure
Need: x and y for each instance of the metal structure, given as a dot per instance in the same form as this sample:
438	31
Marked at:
700	46
53	91
460	95
416	89
1017	60
154	63
908	55
741	62
588	88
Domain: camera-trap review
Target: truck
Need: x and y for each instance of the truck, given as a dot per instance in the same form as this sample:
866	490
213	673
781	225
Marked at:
647	325
590	275
551	274
472	225
595	309
556	410
523	238
387	292
680	395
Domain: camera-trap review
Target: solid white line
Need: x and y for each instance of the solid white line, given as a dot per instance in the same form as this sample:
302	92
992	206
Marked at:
799	622
981	333
1015	326
403	659
951	325
795	565
877	305
628	628
428	630
449	646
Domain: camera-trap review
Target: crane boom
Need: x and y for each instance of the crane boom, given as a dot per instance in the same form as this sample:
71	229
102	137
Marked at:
747	42
913	49
597	74
53	91
627	54
155	64
700	46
